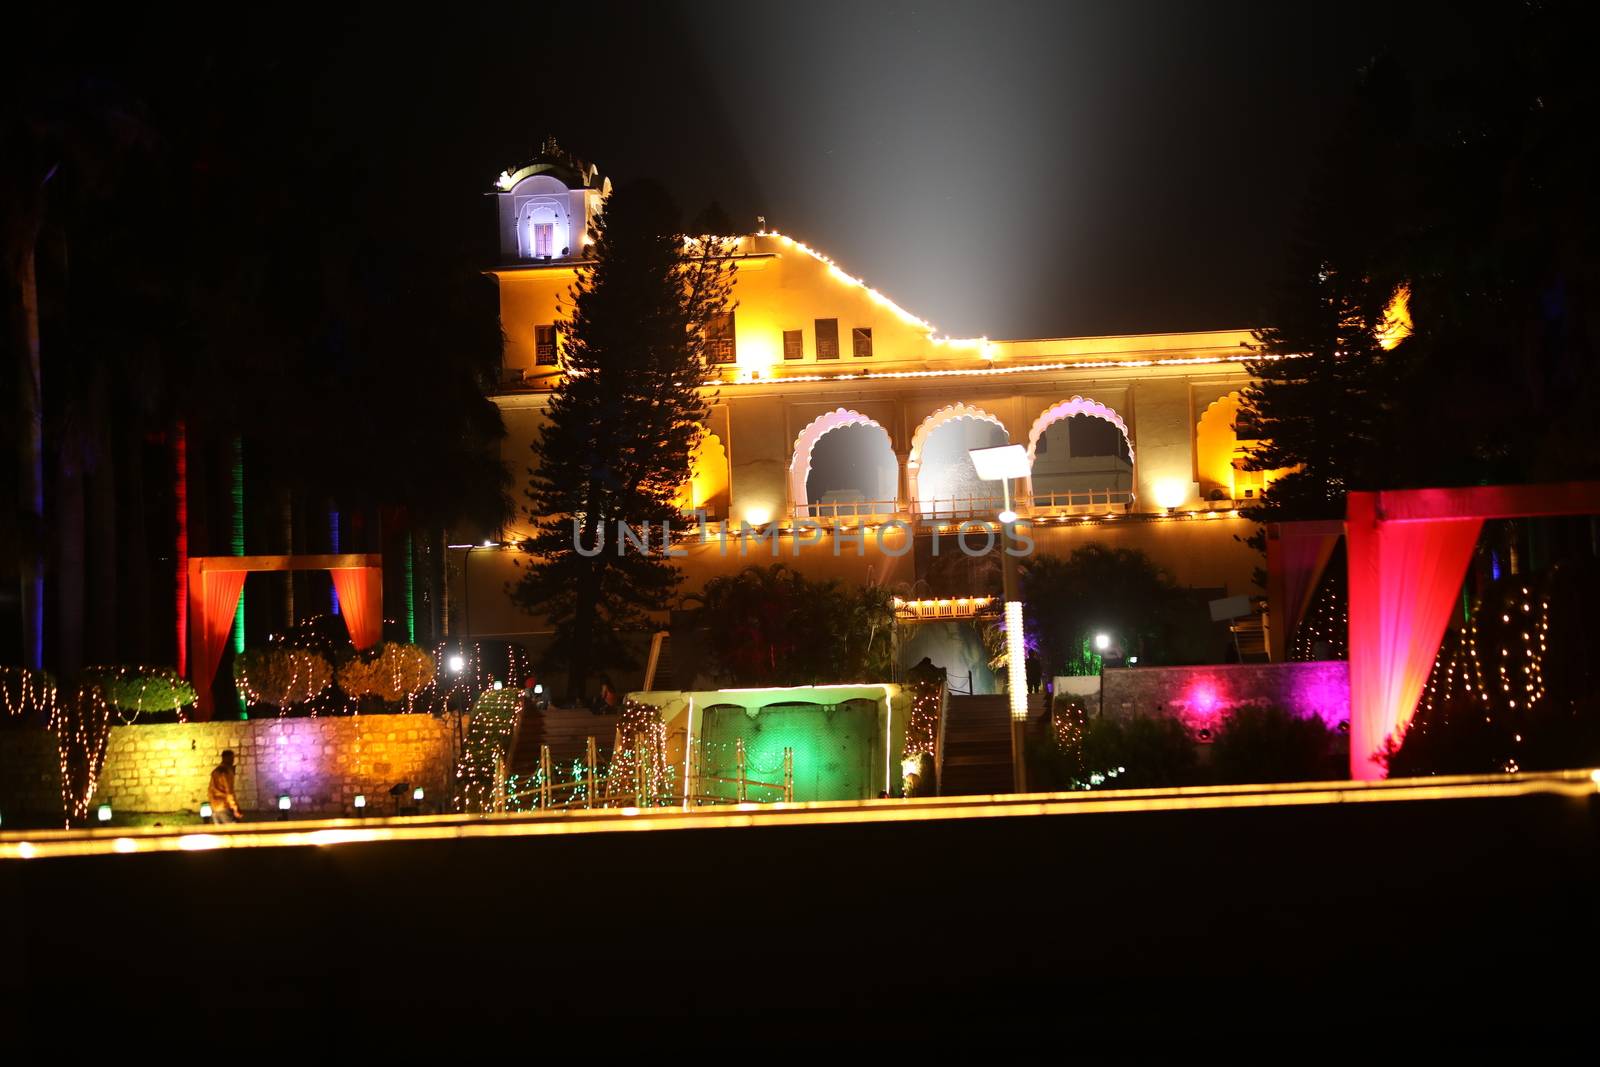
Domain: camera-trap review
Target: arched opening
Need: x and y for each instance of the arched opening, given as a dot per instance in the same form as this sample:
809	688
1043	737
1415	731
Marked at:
707	485
1081	457
1223	440
853	472
543	232
946	483
858	471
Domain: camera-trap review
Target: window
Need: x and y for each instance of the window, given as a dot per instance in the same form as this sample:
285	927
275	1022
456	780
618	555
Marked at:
719	339
544	346
827	338
861	341
794	345
544	239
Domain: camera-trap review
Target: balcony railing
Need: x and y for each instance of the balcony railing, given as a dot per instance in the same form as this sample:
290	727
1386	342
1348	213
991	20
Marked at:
955	509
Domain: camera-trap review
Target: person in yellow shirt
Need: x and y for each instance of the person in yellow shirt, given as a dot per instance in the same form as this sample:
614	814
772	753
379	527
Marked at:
224	805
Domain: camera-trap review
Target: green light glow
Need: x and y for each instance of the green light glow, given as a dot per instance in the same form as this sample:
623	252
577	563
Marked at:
239	535
834	748
411	594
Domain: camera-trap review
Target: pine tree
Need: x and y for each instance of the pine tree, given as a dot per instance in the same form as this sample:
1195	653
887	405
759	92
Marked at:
620	429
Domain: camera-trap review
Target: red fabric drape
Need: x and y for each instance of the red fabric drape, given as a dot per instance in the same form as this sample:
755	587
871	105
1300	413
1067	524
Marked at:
360	592
1297	553
213	597
1404	577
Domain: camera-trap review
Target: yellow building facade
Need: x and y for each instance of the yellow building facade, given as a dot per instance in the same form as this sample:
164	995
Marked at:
832	405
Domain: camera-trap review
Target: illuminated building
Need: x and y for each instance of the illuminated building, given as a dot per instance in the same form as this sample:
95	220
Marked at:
1134	439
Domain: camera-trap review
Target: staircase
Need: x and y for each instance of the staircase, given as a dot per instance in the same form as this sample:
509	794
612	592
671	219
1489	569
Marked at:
565	730
977	746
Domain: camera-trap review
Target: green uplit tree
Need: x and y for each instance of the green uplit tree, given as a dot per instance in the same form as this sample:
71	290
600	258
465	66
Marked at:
620	429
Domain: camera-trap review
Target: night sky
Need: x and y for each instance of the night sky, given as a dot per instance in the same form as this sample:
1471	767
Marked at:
1009	169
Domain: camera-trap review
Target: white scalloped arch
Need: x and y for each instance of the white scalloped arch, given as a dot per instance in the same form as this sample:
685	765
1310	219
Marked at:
1077	405
800	459
949	413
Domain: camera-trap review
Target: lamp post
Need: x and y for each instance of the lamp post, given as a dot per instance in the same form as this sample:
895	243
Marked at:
1001	464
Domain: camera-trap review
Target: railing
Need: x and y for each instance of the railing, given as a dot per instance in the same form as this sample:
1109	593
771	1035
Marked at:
961	507
955	509
1086	500
846	509
643	786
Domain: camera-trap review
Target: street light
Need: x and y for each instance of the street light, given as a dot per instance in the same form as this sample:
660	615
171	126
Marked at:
1002	463
1102	642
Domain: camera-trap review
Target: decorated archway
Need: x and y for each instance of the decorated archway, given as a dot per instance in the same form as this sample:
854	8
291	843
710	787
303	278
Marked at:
215	583
935	475
1069	409
800	463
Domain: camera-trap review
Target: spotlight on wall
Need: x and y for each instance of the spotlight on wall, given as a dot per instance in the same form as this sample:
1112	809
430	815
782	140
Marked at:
205	811
416	794
360	801
1170	493
284	804
104	813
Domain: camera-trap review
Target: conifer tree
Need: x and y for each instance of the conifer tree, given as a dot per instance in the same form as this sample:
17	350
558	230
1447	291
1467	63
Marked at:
621	427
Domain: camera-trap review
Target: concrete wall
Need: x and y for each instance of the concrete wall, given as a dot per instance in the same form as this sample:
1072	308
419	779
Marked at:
1202	696
322	762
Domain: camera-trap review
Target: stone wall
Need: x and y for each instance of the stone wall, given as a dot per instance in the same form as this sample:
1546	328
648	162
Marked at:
1203	696
321	762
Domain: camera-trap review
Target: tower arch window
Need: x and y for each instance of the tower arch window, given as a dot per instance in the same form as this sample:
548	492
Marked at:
1082	457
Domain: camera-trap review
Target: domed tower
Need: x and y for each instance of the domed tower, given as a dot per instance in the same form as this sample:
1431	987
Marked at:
546	206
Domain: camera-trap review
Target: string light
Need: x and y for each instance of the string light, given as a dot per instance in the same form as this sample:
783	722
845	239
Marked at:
81	725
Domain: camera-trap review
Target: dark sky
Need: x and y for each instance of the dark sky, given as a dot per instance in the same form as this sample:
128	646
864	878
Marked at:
1006	168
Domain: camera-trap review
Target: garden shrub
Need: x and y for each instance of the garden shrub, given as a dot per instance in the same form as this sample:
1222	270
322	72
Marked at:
1272	744
281	676
142	689
392	672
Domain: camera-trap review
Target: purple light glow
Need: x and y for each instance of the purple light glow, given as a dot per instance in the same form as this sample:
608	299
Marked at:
1205	697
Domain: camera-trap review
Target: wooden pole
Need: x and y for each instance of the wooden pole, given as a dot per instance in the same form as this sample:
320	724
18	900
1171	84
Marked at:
544	776
589	759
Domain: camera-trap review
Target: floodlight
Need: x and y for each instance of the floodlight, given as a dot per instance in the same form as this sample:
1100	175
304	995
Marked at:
1000	462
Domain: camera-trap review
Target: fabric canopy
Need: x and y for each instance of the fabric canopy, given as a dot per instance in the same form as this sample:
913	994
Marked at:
1403	582
360	592
1409	550
213	597
1297	554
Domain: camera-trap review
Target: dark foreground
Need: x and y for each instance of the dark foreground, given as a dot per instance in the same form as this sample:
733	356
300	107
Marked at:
1455	911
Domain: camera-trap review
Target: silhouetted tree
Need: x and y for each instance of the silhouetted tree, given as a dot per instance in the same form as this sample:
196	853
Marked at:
621	427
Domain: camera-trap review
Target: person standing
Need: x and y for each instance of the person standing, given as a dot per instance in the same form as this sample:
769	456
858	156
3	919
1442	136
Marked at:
224	804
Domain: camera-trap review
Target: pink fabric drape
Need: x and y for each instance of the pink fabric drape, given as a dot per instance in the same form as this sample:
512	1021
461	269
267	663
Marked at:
360	592
1404	577
213	597
1297	553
